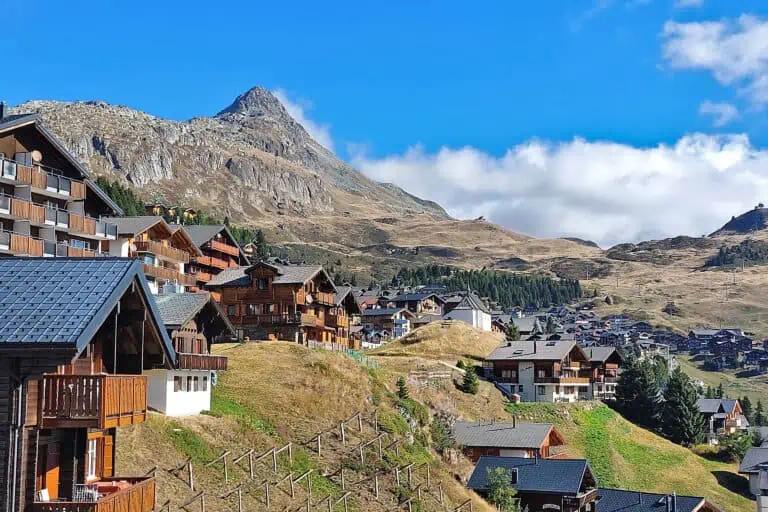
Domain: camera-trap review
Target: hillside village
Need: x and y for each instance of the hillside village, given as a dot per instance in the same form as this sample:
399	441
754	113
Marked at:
115	326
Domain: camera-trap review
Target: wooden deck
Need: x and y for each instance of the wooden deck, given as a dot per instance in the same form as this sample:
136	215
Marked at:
92	401
138	497
202	362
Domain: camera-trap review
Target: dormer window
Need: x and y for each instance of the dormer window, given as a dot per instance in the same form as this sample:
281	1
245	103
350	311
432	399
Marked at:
262	283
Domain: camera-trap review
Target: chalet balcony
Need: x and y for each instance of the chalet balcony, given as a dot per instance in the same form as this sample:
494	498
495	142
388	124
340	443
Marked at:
222	247
322	298
284	319
46	216
162	251
337	321
202	362
168	274
41	179
203	277
131	494
212	261
310	320
92	401
563	379
578	502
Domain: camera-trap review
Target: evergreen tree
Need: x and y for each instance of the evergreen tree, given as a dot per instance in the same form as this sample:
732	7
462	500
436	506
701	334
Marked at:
638	395
513	333
746	409
500	490
471	384
683	423
720	393
710	392
262	249
402	389
760	419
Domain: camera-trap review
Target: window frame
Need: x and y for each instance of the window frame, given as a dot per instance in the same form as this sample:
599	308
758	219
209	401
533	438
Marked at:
91	460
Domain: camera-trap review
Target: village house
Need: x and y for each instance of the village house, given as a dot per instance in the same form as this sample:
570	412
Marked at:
471	310
541	371
528	326
219	251
568	485
76	334
395	321
172	214
347	313
622	500
754	465
193	321
420	303
281	301
507	439
605	362
724	416
48	204
162	251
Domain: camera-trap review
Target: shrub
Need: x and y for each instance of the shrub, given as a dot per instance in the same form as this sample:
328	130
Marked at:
415	410
402	389
471	384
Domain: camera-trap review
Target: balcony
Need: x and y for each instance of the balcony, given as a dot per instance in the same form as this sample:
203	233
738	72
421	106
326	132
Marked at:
225	248
203	277
168	274
134	494
284	319
45	215
563	380
212	261
43	179
321	298
162	251
202	362
25	245
92	401
337	321
310	320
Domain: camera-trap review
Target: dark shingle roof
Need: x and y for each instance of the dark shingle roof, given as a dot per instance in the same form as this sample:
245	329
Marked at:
619	500
501	435
409	297
383	311
472	301
133	225
599	354
561	476
524	351
230	277
753	459
64	301
287	274
715	405
176	309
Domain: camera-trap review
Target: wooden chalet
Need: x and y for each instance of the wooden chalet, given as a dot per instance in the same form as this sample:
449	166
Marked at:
164	252
345	313
76	335
507	439
723	415
605	362
48	204
219	251
282	301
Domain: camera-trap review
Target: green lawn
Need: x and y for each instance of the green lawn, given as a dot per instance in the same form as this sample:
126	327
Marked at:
756	388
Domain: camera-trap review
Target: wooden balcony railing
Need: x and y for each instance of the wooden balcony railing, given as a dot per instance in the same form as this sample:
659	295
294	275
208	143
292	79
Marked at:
266	319
42	214
562	380
167	274
203	277
162	251
225	248
337	321
44	181
202	362
212	261
323	298
130	494
92	401
310	320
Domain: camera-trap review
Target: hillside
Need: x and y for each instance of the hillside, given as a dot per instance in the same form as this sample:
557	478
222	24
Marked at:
753	220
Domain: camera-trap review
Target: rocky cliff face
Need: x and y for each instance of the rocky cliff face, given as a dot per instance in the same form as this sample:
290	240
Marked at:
250	159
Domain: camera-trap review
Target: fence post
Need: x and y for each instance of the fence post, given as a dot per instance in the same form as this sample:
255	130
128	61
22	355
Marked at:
343	435
191	479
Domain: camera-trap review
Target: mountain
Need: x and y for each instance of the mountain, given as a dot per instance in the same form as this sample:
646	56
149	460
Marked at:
753	220
251	159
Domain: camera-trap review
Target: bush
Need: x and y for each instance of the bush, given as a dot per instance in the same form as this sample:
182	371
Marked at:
393	422
415	410
442	435
471	384
402	389
735	446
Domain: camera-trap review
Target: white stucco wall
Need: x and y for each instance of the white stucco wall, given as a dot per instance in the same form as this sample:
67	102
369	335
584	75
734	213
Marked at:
118	248
163	398
473	317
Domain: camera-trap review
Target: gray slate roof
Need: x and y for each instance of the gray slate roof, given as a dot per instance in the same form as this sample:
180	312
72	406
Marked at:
230	277
383	311
715	405
64	301
288	274
753	459
524	351
409	297
599	354
473	302
133	225
341	294
560	476
176	309
501	435
202	234
12	120
527	323
620	500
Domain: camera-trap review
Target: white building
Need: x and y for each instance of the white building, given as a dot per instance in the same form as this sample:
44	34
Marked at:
193	320
471	310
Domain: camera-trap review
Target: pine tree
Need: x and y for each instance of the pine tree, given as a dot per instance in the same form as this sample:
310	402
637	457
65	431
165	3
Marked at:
551	326
760	419
720	393
683	423
638	395
710	392
471	384
746	409
513	333
262	249
402	389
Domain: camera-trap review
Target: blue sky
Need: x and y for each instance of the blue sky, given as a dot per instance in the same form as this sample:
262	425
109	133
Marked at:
396	78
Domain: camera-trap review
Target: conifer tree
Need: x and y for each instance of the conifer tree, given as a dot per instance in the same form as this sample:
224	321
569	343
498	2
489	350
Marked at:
683	423
402	389
720	393
471	384
760	419
710	392
746	408
638	395
513	333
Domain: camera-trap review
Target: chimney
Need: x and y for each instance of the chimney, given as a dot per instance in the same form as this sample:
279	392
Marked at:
2	109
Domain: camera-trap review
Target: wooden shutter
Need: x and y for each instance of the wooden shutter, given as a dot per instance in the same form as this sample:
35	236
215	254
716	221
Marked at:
108	443
52	471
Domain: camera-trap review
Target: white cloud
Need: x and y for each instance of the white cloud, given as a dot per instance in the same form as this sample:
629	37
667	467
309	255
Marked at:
299	109
597	7
735	52
689	3
723	113
603	191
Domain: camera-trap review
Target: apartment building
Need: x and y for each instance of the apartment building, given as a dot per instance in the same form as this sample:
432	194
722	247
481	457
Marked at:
219	249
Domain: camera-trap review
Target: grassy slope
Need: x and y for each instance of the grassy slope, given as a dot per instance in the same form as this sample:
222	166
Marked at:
622	454
274	393
755	387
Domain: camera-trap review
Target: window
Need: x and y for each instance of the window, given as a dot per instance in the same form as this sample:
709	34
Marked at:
231	310
262	283
520	389
540	390
90	461
176	384
196	381
189	383
271	309
80	244
569	390
513	476
254	309
205	383
506	374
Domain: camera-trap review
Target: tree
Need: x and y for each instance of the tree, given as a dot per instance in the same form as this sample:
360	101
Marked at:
471	384
551	327
760	419
719	393
402	389
638	395
262	249
500	490
683	423
746	408
442	434
735	445
513	333
710	392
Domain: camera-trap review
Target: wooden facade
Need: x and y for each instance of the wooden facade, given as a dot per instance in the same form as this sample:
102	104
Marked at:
219	252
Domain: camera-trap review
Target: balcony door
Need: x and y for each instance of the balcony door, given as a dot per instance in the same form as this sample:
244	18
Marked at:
47	477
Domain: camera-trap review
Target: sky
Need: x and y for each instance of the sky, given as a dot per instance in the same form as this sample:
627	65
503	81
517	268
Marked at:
610	120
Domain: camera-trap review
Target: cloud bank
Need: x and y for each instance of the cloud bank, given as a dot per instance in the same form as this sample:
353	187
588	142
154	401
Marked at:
299	111
602	191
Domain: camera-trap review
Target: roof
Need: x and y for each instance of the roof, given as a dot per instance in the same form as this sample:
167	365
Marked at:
526	323
560	476
384	311
599	354
14	120
230	277
286	274
411	297
471	301
753	459
501	435
133	225
620	500
715	405
524	350
201	234
63	301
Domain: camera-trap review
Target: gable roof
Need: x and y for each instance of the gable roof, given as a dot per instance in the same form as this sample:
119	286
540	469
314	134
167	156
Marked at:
620	500
502	435
534	351
285	274
527	323
600	354
473	302
138	224
560	476
201	234
411	297
716	405
230	277
62	302
753	459
385	311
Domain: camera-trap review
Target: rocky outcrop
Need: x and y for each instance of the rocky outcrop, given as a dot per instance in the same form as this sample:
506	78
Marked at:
252	156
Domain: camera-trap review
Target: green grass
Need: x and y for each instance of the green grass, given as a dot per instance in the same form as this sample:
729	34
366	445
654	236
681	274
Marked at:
756	388
247	419
597	443
189	443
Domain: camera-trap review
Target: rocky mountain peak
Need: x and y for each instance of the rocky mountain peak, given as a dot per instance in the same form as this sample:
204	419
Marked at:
256	102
